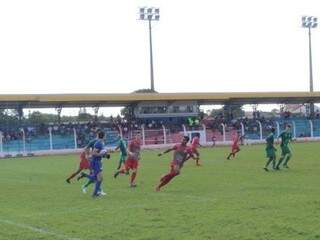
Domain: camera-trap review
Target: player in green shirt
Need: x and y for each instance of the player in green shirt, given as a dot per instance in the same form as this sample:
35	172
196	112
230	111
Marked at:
270	150
122	146
286	138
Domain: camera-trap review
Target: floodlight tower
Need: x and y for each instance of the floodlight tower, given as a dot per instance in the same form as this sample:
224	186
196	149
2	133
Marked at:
150	14
310	22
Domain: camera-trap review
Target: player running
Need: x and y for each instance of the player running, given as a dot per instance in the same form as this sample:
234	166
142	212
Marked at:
270	150
84	159
122	146
132	161
194	147
286	138
96	165
181	154
235	145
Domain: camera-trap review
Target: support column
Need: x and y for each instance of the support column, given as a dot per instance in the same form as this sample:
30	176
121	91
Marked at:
294	129
50	138
224	132
164	135
311	128
205	133
23	140
260	127
75	138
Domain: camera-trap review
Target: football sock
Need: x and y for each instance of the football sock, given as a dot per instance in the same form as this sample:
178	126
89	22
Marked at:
133	177
97	188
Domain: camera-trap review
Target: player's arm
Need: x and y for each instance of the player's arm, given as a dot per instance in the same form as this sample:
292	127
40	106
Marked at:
166	151
97	150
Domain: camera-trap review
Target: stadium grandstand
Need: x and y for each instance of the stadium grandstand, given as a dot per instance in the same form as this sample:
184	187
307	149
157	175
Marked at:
161	118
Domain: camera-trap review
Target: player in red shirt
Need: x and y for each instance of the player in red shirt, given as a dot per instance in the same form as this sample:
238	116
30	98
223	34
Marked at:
84	163
132	161
194	147
181	154
235	145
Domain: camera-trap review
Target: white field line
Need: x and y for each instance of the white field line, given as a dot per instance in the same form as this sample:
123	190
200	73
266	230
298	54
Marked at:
38	230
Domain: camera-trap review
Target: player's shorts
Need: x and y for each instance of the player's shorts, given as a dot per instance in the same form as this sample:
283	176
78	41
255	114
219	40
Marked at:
235	149
131	164
285	150
195	151
96	167
84	163
271	152
123	158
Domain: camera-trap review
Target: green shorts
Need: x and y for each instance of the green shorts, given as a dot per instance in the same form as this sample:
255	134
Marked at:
285	150
271	152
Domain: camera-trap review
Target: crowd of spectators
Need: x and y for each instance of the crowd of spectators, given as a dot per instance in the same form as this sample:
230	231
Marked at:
86	130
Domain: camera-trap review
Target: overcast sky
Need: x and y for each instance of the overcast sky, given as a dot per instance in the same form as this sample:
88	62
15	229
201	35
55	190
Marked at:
76	46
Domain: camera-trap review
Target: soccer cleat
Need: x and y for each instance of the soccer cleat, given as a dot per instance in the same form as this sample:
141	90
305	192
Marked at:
266	169
84	189
96	195
68	180
102	193
158	189
285	166
133	185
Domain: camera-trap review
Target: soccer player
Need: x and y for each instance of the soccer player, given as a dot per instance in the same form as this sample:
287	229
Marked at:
235	145
286	138
270	150
84	164
132	161
181	154
96	165
122	146
84	160
194	147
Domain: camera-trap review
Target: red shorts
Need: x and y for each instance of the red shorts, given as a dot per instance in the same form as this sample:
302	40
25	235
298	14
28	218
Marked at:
235	149
84	163
131	164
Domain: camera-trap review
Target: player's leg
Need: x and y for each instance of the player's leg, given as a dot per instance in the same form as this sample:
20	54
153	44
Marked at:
285	164
274	161
197	157
121	161
235	151
230	154
134	167
74	174
97	187
175	170
124	170
133	177
283	155
267	164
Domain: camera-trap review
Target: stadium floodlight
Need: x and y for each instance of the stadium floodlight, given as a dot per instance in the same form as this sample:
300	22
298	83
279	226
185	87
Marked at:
150	14
310	22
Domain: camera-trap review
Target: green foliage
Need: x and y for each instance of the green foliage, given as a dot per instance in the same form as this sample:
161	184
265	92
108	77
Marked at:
221	200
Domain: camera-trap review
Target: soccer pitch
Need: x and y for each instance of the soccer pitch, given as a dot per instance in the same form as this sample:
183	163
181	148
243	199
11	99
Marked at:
221	200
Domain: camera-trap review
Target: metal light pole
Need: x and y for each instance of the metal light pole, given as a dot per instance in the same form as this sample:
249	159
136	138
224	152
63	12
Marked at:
150	14
310	22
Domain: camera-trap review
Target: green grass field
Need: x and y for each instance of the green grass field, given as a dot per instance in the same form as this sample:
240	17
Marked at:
222	200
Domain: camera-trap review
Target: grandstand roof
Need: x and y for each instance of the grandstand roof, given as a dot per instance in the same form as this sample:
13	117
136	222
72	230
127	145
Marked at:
83	100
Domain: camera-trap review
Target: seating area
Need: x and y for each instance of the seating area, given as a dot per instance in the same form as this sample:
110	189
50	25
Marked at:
70	136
